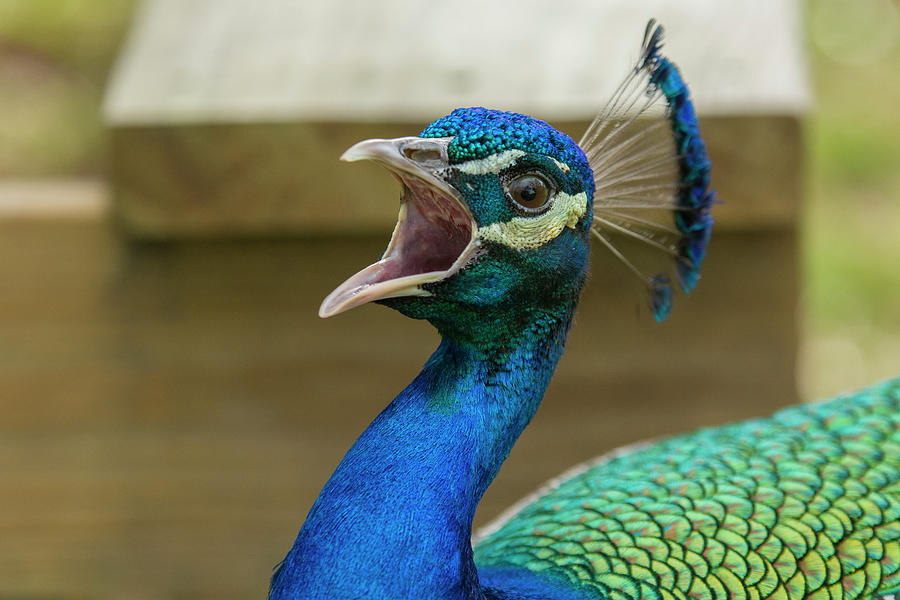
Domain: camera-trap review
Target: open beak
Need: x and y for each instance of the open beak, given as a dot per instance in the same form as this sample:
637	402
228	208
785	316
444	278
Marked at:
435	234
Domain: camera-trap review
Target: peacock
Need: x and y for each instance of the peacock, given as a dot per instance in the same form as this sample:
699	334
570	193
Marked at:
491	247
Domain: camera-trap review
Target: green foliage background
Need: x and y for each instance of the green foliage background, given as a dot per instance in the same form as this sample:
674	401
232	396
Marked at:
851	221
55	56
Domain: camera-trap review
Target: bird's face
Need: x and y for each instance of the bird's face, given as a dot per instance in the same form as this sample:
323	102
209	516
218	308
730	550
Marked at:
493	223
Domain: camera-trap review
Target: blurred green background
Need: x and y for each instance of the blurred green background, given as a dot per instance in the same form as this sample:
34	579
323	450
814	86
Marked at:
851	226
56	55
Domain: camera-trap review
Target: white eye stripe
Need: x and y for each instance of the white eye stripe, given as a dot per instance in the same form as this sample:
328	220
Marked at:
528	233
496	163
493	164
562	166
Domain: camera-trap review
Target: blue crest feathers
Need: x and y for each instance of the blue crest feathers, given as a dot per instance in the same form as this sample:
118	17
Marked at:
650	163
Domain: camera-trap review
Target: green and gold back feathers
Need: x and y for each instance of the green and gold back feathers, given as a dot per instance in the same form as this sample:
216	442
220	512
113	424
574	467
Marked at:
802	505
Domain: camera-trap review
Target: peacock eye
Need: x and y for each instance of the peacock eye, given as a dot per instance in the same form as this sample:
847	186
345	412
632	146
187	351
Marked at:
530	194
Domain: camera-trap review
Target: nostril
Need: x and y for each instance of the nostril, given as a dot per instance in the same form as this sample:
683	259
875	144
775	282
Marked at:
423	155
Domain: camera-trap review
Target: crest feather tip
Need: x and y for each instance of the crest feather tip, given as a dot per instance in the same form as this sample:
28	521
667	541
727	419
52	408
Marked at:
652	168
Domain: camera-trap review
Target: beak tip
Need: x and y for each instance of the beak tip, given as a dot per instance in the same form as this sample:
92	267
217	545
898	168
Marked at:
366	149
349	156
328	308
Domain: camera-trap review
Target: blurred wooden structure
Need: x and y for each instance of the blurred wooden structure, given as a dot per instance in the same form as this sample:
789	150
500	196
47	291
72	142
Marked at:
171	403
171	410
227	117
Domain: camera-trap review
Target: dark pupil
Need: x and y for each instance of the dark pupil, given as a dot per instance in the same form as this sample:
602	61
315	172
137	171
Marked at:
529	191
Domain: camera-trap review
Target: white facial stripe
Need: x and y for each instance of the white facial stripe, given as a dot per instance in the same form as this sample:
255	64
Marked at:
528	233
492	164
562	166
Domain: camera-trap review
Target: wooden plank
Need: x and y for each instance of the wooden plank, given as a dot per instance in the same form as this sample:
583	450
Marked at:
285	179
227	117
229	61
53	199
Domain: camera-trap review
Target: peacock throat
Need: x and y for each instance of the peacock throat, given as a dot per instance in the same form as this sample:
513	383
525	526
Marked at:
400	505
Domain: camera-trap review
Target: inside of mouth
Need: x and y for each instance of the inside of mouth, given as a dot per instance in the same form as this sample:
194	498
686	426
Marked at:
430	236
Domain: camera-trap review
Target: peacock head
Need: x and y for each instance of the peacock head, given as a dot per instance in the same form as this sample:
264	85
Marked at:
494	223
497	207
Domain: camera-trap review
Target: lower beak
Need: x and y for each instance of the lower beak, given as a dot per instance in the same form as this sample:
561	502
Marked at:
435	232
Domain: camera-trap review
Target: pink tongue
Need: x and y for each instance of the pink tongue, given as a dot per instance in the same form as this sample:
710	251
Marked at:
430	238
432	235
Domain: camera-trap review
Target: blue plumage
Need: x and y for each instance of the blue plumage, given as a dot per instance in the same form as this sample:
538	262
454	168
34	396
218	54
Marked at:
394	521
677	178
480	132
695	197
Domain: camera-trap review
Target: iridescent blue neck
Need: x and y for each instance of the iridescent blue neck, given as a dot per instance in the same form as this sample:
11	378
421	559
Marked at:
395	519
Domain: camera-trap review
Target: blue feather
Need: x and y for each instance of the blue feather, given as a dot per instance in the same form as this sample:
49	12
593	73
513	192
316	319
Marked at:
679	184
660	297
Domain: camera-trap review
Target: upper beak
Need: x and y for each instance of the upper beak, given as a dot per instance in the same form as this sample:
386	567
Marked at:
435	234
